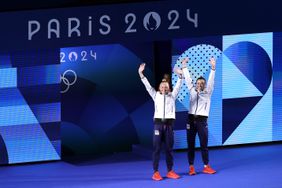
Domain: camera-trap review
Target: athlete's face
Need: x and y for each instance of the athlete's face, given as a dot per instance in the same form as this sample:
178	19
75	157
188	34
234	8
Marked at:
200	84
164	87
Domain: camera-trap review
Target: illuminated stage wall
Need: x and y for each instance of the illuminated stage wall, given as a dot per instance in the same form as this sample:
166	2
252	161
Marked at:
246	102
95	92
113	111
30	107
105	107
70	80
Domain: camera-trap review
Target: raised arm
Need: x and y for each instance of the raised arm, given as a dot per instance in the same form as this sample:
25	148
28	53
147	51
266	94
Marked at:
146	83
177	87
187	77
210	84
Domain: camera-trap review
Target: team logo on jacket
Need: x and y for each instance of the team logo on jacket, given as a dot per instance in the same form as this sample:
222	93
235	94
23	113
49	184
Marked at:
187	126
157	132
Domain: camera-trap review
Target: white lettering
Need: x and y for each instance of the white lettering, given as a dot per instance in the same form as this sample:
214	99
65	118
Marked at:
55	30
30	31
108	30
73	29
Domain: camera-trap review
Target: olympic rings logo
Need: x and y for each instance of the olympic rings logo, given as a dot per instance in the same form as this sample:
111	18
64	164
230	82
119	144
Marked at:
68	82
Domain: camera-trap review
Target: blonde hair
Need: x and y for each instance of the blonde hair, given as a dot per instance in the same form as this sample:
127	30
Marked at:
166	79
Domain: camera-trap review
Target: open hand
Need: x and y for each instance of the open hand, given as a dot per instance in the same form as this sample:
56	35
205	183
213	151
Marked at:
184	61
178	71
141	68
212	63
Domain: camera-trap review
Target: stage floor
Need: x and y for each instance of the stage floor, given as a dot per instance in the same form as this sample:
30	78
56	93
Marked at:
246	166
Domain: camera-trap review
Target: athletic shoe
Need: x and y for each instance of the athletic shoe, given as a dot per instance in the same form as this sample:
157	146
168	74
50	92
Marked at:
172	174
157	176
208	170
192	170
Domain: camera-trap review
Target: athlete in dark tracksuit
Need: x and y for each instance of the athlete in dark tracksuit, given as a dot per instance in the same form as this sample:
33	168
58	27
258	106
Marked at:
164	116
200	99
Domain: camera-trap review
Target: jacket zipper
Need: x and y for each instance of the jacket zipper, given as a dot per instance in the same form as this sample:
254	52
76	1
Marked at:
197	104
164	107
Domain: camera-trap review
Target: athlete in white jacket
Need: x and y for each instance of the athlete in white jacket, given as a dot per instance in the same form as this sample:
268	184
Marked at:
164	117
200	100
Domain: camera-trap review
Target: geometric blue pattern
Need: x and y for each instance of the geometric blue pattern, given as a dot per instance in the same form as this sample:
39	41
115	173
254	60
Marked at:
41	75
22	114
16	115
8	77
27	143
99	115
46	113
252	61
250	95
277	89
238	85
258	130
198	65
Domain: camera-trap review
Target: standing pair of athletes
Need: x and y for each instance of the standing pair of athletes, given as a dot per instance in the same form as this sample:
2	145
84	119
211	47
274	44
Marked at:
164	116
